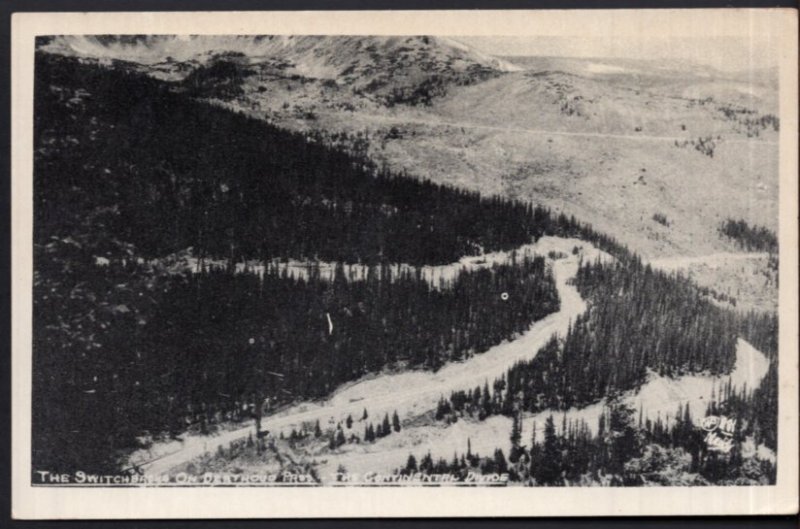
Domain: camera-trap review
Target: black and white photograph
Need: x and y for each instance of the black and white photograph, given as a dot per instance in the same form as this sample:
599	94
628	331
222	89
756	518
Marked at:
414	260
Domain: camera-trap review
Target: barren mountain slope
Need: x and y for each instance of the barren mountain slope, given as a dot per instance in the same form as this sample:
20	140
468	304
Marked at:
608	155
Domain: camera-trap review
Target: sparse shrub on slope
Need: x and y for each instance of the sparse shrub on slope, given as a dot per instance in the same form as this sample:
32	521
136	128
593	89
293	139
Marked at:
661	219
750	238
222	79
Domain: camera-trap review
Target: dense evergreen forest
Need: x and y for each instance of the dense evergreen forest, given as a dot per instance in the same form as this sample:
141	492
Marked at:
621	451
639	320
164	172
126	348
126	170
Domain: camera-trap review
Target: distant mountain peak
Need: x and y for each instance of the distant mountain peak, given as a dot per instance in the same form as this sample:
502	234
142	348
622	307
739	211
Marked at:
387	69
330	51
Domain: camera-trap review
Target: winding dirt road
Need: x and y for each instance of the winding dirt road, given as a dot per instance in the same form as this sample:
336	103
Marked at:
409	393
413	393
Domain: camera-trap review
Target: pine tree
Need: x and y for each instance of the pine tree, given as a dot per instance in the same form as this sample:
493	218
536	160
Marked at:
371	431
426	465
411	464
386	427
548	471
516	436
500	464
395	421
486	401
440	409
624	439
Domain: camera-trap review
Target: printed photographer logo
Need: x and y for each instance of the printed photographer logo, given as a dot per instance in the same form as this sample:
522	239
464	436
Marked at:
719	433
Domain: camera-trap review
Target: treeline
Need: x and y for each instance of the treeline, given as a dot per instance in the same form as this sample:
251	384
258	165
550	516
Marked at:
639	319
122	350
459	467
752	122
622	451
750	238
165	172
758	408
372	432
759	329
345	432
318	334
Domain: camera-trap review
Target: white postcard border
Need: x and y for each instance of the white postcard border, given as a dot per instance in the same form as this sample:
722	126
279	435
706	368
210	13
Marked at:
29	502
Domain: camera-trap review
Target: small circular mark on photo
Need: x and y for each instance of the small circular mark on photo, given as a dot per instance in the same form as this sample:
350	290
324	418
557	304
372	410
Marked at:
504	296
